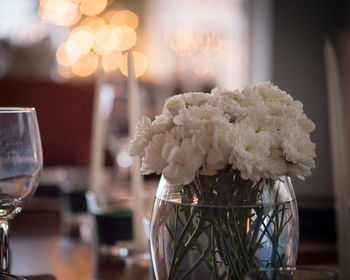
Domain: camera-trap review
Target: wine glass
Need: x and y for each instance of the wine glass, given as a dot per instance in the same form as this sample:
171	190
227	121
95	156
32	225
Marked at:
117	135
21	162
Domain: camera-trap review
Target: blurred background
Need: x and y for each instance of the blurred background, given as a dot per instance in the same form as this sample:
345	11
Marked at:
61	55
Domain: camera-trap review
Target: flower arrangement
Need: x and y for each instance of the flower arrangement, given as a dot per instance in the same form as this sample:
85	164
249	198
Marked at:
260	131
225	206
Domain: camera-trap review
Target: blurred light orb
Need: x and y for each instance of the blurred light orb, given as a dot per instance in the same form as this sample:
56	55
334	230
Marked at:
64	57
60	12
107	16
86	65
65	72
124	160
107	39
92	7
80	41
129	38
110	62
125	17
140	62
182	40
93	22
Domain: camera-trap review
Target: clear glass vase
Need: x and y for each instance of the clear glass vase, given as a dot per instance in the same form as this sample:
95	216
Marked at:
222	226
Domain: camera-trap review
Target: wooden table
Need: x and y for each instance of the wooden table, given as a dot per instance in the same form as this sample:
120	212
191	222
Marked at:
38	246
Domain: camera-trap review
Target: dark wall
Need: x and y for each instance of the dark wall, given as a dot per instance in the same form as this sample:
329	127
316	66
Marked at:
64	114
298	67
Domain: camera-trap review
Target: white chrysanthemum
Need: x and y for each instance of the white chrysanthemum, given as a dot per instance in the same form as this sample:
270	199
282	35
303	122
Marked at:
215	160
298	107
214	140
281	110
249	152
141	138
251	98
146	130
211	133
177	102
157	152
299	151
181	132
228	101
271	93
195	98
169	144
184	161
278	117
173	105
275	164
194	115
306	124
161	124
256	116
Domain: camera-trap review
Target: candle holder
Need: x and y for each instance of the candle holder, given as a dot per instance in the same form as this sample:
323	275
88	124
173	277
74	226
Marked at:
113	231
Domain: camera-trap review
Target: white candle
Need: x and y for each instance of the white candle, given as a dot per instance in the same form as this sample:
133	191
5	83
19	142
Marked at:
136	177
97	133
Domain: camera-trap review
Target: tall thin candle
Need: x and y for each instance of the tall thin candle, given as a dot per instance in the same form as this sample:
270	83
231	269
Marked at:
98	130
136	177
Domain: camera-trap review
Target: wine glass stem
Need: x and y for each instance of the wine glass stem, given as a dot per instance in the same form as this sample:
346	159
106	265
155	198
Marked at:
4	246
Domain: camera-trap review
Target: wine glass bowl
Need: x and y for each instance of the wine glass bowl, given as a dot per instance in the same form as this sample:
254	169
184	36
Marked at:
14	193
21	162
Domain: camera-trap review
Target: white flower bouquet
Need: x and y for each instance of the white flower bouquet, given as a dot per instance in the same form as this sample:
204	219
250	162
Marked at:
260	131
226	206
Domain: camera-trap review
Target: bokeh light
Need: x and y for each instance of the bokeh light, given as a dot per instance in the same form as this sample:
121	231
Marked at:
107	39
125	17
80	41
182	40
59	12
94	22
65	72
129	38
205	48
99	34
110	62
92	7
140	62
107	16
124	160
86	65
64	57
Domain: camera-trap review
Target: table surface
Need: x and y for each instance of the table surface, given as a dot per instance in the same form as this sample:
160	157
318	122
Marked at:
38	246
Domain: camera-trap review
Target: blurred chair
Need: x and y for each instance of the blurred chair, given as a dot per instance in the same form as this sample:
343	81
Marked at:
340	162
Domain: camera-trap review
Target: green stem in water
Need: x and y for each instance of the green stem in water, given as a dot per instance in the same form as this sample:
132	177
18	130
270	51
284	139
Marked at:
197	232
178	246
213	254
274	247
243	250
176	221
188	272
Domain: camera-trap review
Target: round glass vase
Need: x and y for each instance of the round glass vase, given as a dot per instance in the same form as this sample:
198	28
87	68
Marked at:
222	226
